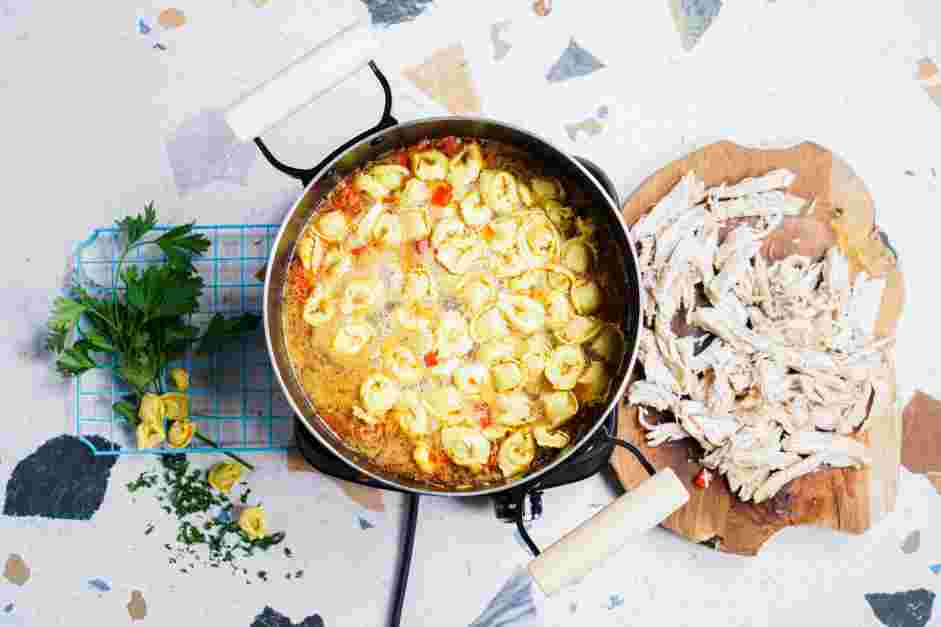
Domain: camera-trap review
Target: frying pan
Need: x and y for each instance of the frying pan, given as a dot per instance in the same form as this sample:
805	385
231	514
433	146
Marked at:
315	74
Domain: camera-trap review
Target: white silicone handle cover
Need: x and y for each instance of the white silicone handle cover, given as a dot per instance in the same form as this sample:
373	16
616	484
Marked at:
302	82
588	545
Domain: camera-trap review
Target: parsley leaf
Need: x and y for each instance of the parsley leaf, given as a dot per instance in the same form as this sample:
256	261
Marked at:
222	330
163	291
62	320
127	410
75	360
180	245
138	226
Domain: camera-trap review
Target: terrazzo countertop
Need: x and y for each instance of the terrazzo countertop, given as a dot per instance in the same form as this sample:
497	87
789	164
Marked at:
95	101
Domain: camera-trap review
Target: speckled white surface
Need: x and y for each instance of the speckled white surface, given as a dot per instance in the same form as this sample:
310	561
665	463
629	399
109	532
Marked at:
86	103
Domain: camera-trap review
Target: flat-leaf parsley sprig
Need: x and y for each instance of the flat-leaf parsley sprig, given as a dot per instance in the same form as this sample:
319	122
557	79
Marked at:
149	325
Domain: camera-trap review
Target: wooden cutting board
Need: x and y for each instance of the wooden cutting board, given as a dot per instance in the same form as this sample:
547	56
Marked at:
845	499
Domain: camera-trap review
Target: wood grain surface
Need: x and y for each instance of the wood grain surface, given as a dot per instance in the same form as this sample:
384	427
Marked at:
848	500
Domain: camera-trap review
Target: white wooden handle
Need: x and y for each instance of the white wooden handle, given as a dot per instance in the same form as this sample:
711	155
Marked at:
302	82
602	535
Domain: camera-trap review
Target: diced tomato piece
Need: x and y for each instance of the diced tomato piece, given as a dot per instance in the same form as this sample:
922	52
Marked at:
442	194
431	359
401	158
450	145
347	199
422	245
359	250
702	479
487	232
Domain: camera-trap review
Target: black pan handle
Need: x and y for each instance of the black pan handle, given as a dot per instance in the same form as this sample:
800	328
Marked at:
306	175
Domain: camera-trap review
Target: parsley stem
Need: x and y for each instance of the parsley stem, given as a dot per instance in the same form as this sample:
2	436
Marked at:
200	436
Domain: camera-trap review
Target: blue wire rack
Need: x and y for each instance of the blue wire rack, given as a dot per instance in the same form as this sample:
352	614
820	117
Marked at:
234	398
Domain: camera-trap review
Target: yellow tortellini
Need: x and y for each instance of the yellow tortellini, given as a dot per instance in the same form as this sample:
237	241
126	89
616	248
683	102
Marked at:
562	217
593	384
353	337
319	308
495	433
565	365
516	453
369	184
447	229
415	225
422	456
443	401
452	336
430	165
559	309
559	406
587	297
507	375
359	297
403	365
489	325
391	176
180	434
416	194
609	344
496	350
498	189
311	250
336	265
471	378
549	439
465	166
150	435
331	226
514	409
532	282
547	189
578	330
224	475
577	256
473	212
476	290
419	287
379	394
525	314
465	446
388	230
176	406
411	415
503	234
538	240
459	254
413	316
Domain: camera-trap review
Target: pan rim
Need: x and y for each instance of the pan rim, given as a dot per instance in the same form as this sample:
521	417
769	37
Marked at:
612	405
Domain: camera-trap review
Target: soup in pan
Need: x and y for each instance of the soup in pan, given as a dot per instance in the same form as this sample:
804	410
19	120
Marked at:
447	313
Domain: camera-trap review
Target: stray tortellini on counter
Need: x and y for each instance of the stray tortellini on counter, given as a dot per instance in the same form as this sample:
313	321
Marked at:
465	446
353	337
516	453
379	394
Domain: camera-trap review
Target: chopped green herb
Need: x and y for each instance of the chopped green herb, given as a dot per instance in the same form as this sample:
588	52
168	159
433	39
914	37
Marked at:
149	530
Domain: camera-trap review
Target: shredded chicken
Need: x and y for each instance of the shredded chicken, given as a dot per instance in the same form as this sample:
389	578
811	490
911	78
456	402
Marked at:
783	377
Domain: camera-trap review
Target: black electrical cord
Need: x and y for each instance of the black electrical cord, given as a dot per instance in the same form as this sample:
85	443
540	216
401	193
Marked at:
519	505
405	559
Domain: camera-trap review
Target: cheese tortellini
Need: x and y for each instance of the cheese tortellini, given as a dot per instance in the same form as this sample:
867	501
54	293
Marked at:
466	301
516	453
